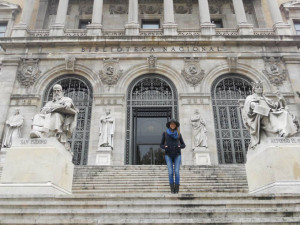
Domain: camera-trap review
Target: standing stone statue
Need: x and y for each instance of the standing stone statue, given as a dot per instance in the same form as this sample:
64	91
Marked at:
199	130
13	128
266	118
106	130
57	118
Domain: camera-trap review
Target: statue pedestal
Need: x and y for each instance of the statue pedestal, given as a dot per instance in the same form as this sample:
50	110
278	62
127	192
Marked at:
274	166
103	157
201	156
37	166
3	153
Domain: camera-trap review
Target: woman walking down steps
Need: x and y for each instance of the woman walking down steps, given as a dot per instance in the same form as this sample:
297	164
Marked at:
172	142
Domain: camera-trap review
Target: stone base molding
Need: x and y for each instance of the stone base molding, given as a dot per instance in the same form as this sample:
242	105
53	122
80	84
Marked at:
282	29
2	156
170	29
20	30
274	167
245	29
132	29
208	29
57	30
201	156
37	166
94	29
104	156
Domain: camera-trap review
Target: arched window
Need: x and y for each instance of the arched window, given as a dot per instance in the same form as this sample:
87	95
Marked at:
80	90
232	137
151	102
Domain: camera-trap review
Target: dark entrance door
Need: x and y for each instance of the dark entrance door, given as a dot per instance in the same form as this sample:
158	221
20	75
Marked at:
149	124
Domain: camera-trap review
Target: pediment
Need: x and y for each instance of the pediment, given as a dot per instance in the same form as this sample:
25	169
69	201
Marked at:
292	4
8	6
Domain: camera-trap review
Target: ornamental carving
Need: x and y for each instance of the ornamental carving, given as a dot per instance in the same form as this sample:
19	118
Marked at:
118	9
86	7
232	63
28	72
184	8
215	6
151	9
274	70
249	8
192	72
111	72
70	63
52	7
152	61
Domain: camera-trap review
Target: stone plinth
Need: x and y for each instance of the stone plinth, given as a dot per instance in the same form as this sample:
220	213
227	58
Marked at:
208	29
201	156
2	156
103	157
37	166
274	167
245	29
170	29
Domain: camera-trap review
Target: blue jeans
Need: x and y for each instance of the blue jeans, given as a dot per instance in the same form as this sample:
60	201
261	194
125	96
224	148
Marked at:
172	168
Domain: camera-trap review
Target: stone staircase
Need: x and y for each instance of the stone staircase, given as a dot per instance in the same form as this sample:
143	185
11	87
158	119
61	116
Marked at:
140	195
154	179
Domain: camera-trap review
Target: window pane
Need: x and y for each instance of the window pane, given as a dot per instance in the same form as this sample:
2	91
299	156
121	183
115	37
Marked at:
2	28
150	24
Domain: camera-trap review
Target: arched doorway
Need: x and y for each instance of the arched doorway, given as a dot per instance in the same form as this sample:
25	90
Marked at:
80	90
151	102
232	137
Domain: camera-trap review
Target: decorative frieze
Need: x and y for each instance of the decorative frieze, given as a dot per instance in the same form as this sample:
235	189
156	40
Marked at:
118	9
28	72
70	63
274	70
111	72
152	61
24	100
86	7
192	72
232	63
109	100
151	9
186	8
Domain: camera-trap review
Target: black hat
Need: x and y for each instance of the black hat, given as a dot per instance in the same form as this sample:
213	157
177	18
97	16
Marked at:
174	121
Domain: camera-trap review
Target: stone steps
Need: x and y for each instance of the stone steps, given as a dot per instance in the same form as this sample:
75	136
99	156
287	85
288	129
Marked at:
138	208
130	179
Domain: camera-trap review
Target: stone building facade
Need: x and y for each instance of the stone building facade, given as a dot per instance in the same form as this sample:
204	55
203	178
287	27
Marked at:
149	61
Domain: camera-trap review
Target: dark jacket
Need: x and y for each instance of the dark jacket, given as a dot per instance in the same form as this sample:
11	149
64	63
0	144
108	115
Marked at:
172	150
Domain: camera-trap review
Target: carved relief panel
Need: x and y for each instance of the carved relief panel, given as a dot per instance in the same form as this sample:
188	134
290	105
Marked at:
274	70
192	72
111	72
28	72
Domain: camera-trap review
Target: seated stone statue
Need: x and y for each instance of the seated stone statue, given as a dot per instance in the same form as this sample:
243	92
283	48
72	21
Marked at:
266	118
56	119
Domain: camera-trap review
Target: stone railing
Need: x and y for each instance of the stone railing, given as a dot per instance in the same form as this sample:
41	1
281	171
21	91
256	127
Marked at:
151	32
39	33
227	31
76	32
189	32
115	32
263	31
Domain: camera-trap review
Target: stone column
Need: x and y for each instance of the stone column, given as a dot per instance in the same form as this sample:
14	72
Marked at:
95	28
243	27
57	29
132	27
278	25
21	29
207	28
170	27
8	77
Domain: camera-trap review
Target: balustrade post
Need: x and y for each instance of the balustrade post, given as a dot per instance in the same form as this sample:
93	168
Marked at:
132	27
207	28
95	28
170	27
279	26
21	29
57	29
243	27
